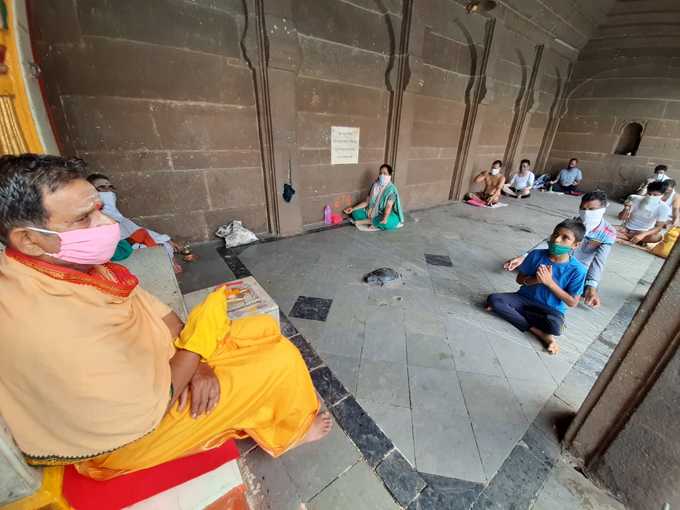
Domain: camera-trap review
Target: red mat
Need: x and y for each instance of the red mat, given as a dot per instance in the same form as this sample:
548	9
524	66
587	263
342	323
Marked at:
87	494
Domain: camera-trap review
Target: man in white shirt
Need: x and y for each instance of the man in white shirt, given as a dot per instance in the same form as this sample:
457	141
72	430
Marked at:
645	216
520	183
568	179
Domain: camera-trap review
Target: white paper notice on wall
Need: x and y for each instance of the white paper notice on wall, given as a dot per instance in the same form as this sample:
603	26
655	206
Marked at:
344	145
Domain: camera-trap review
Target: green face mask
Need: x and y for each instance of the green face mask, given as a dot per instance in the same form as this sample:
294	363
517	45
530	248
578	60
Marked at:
558	249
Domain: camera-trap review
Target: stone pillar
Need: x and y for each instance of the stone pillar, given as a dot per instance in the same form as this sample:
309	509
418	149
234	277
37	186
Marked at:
626	432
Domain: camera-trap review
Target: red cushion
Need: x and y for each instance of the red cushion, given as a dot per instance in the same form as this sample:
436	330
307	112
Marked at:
84	493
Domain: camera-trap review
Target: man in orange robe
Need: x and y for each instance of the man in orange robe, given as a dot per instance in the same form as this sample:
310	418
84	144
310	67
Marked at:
95	371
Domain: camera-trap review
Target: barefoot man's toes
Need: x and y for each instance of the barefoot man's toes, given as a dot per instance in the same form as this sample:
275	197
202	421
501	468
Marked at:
323	423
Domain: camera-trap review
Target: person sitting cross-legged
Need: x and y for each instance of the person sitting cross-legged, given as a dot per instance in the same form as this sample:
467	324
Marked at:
645	217
550	281
493	182
569	179
521	183
97	372
382	208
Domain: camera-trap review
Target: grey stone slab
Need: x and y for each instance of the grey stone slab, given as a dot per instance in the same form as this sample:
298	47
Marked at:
546	448
385	382
567	488
516	484
345	368
428	351
426	323
360	427
342	339
385	342
311	330
269	485
520	362
558	366
436	389
490	398
444	492
329	387
396	422
403	482
531	397
359	488
445	445
495	441
474	354
313	466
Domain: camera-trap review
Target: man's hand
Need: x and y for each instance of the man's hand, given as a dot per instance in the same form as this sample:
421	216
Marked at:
592	297
512	264
384	221
205	392
544	275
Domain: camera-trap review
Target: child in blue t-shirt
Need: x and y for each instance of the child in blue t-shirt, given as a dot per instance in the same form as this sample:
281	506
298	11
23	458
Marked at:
551	280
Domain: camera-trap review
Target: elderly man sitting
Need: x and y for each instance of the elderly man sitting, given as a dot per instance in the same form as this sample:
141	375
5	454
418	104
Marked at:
97	372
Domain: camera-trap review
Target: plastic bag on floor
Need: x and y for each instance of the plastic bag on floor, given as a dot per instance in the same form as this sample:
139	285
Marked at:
235	234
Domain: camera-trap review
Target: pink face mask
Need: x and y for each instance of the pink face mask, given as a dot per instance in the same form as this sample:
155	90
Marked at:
88	246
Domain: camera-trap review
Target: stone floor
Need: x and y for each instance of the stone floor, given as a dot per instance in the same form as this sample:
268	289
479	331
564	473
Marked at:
456	394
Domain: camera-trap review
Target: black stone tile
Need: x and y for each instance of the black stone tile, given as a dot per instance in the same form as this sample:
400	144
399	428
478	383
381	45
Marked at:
546	449
208	271
329	387
443	492
311	308
361	429
404	482
287	328
237	267
307	351
516	483
438	260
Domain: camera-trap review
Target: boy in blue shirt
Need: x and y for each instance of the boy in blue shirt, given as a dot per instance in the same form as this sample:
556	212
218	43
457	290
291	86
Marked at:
551	280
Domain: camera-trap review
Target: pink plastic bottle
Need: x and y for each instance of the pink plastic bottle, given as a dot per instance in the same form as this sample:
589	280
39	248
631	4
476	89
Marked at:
327	215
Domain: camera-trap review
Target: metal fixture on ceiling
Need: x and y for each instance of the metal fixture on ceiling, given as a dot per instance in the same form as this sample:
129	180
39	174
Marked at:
480	6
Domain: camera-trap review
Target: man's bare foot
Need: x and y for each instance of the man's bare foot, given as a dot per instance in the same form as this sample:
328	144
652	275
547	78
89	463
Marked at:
548	340
323	423
488	308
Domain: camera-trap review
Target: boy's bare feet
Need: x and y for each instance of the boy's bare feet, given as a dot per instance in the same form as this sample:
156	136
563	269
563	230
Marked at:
323	423
548	340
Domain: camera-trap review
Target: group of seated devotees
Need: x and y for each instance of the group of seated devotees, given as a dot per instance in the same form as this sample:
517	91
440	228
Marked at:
98	373
130	232
569	179
382	207
645	218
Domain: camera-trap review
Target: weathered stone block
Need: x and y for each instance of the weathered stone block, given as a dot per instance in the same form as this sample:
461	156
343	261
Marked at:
330	97
235	187
191	160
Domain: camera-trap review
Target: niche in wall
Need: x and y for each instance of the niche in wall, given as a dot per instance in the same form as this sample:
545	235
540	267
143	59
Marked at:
629	141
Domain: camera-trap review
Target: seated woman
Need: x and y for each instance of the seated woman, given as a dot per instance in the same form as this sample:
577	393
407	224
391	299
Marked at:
382	207
138	237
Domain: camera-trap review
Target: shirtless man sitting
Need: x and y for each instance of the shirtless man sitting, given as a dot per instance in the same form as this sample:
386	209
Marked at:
493	181
644	216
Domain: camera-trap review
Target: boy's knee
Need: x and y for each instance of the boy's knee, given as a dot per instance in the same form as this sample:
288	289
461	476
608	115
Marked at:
494	300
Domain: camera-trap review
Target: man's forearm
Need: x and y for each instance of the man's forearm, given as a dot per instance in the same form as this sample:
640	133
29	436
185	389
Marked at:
183	366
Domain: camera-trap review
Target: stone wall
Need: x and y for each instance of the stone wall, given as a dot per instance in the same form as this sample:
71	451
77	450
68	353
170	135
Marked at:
197	108
628	72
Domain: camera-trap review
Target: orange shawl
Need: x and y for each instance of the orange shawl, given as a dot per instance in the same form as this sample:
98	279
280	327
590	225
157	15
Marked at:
84	366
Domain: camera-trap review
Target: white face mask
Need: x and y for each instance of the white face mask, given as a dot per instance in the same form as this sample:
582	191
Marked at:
660	176
495	171
591	218
384	179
